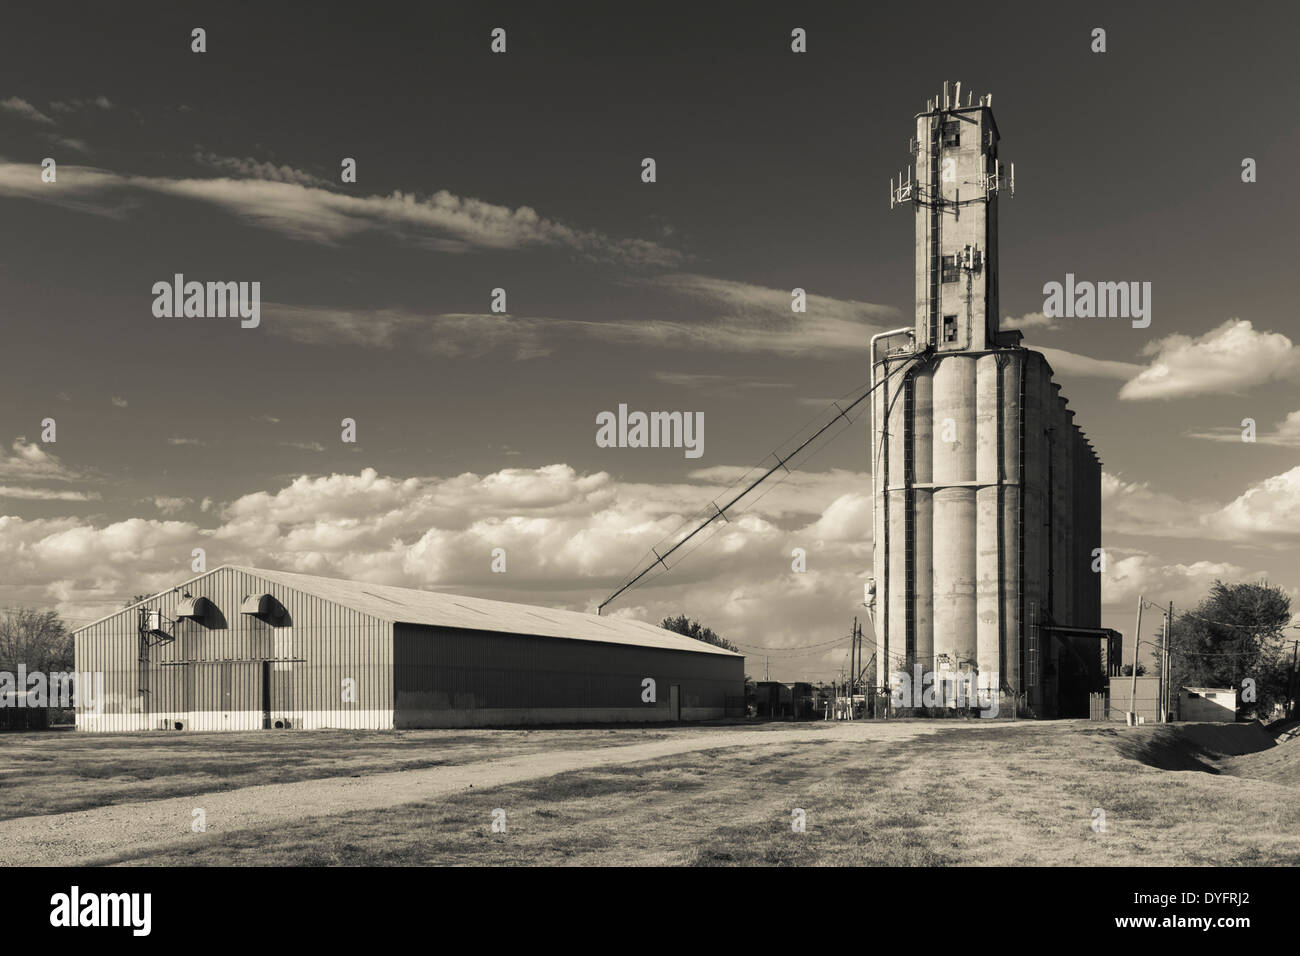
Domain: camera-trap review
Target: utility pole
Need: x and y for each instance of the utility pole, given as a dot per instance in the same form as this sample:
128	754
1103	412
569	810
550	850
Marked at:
1169	661
1295	683
853	657
1133	688
1160	669
853	666
767	669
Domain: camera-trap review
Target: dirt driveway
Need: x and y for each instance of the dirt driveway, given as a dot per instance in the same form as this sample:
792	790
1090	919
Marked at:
109	832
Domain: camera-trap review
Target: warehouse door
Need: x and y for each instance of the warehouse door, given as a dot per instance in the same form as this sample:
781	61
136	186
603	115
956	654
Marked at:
227	695
675	702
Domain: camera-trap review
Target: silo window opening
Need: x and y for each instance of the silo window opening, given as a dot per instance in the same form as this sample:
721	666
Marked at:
952	133
951	271
950	328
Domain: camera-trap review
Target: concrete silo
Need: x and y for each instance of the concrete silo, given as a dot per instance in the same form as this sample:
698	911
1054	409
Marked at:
985	492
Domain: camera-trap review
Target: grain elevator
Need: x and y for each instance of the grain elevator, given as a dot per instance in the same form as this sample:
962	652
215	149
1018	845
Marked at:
986	494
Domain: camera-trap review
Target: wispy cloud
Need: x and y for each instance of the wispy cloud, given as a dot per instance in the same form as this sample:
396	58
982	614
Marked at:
67	142
750	319
252	169
451	335
28	461
46	494
706	381
1286	434
19	107
1071	363
442	221
73	105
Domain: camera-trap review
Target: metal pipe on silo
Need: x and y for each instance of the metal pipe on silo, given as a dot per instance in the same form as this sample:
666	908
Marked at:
879	510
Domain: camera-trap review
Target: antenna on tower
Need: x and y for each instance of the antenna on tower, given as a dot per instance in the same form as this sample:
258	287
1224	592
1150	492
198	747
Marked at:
903	191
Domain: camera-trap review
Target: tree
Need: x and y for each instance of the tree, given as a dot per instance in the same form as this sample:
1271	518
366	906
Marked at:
1235	638
37	639
1127	670
681	624
135	600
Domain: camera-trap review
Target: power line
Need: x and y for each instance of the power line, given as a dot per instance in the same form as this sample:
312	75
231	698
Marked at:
720	511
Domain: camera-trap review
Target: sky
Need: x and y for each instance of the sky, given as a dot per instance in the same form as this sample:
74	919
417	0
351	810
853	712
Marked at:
522	171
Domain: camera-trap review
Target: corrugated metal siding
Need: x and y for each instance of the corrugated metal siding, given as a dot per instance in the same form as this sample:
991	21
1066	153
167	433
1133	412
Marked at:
454	677
211	676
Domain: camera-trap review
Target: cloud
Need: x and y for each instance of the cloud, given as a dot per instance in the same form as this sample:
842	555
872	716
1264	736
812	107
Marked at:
1286	433
119	401
1227	359
68	142
28	461
753	328
1267	512
304	445
441	221
184	441
754	318
79	188
170	506
1069	363
1130	573
449	335
20	107
568	537
1130	507
73	105
1032	320
712	382
46	494
252	169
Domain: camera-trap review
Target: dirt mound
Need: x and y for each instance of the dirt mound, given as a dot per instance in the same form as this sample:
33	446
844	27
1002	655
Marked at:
1284	730
1281	764
1204	747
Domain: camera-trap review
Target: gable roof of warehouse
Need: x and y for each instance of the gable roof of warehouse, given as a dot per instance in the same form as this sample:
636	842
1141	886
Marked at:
438	609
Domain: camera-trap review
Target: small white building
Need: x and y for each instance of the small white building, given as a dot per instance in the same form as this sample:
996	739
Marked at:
1207	704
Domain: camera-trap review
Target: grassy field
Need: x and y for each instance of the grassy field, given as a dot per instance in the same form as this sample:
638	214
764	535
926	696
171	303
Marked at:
58	772
1019	794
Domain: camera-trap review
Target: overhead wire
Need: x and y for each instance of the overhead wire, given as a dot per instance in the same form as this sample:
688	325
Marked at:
651	572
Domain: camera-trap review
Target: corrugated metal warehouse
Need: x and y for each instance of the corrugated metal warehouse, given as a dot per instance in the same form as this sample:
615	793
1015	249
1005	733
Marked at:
244	648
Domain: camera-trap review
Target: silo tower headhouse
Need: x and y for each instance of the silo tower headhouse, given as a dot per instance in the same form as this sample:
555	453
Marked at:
986	494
